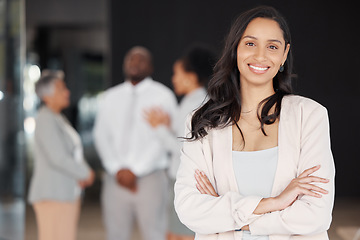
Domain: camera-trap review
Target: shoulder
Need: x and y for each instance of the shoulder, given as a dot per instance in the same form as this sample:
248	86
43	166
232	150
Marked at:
45	115
300	103
113	91
45	121
159	87
162	93
112	94
302	110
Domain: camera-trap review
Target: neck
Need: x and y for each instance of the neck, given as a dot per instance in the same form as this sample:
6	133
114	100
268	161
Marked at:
192	89
135	81
251	96
54	108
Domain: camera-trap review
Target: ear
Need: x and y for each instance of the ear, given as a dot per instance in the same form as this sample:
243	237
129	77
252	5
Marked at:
287	49
46	99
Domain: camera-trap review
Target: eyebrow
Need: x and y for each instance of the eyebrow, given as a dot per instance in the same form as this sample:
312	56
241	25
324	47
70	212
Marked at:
270	40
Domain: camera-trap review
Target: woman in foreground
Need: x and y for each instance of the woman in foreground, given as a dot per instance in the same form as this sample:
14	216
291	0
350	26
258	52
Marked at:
257	163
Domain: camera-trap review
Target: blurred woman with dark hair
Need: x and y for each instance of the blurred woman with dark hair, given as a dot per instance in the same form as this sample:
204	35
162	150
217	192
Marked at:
190	75
257	163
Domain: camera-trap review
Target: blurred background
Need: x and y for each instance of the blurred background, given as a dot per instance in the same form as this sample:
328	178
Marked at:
88	40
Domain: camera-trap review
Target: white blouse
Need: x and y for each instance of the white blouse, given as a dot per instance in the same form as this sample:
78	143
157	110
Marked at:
255	173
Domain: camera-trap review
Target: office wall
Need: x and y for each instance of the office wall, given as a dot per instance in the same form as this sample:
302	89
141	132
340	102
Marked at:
325	46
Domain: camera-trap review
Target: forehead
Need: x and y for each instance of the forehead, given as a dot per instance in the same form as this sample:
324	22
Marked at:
59	82
135	56
264	28
138	56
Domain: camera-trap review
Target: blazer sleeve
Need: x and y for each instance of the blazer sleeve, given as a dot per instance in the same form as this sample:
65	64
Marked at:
51	144
202	213
307	215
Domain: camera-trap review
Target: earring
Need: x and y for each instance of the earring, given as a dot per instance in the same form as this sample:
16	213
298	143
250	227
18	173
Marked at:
281	69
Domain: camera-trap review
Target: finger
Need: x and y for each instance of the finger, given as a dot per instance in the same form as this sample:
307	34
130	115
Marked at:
198	185
201	190
205	181
208	183
310	193
202	182
309	171
311	179
314	188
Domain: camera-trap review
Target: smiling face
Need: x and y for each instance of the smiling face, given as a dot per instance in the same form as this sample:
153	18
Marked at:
261	51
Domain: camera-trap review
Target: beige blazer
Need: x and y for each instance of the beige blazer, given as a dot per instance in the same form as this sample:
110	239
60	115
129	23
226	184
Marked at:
303	142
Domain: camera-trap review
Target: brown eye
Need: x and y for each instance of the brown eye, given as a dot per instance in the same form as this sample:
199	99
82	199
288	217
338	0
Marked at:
250	44
273	47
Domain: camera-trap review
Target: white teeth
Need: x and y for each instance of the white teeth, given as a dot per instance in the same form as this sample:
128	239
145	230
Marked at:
258	68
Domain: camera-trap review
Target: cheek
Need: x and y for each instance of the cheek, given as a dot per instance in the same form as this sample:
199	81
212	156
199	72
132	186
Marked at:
242	55
176	80
276	58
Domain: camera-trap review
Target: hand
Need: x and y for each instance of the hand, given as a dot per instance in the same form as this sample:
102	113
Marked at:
203	184
89	181
127	179
205	187
156	116
302	185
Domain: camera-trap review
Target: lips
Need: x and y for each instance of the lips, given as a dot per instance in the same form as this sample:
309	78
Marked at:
258	69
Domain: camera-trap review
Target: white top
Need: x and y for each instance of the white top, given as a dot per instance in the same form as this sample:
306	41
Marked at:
122	136
255	173
172	138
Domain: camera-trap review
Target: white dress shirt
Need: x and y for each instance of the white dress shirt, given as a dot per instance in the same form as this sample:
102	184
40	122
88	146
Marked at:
172	138
123	137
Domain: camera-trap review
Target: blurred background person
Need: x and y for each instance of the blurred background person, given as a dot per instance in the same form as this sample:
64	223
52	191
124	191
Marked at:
190	74
60	171
135	184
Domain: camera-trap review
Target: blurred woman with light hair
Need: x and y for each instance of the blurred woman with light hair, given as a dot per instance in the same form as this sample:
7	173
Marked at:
60	170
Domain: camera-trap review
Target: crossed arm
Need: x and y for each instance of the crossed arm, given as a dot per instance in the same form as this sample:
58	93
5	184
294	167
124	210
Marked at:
302	185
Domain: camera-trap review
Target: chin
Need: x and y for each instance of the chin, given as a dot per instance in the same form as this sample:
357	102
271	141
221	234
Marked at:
258	80
66	104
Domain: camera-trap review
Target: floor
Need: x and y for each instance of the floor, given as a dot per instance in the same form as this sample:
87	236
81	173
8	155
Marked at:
346	221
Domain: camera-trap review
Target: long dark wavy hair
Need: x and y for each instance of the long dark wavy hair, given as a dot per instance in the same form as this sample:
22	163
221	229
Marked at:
224	105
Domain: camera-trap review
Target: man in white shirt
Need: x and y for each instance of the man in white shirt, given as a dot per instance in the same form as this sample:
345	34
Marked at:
135	183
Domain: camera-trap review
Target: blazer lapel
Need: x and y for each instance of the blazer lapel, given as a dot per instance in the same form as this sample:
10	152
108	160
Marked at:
62	127
222	160
289	148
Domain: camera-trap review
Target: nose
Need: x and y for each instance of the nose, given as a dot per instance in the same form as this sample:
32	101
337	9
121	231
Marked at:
260	54
67	92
